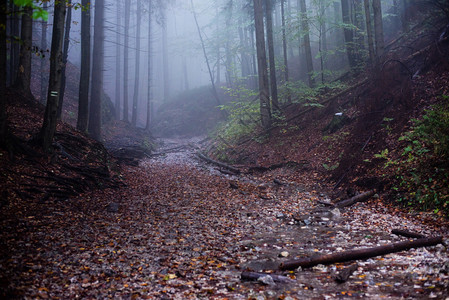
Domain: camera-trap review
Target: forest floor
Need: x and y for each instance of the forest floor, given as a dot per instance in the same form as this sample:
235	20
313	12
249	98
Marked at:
180	229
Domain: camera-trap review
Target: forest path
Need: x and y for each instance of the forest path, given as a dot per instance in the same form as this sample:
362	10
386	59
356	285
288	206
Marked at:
180	231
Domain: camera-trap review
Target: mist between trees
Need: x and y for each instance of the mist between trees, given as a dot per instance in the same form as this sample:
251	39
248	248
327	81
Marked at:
144	52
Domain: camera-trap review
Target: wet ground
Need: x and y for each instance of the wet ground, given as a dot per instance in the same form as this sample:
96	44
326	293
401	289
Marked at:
182	229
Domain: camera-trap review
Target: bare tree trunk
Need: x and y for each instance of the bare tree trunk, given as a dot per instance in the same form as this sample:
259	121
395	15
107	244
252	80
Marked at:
254	60
15	46
126	62
349	34
265	111
378	30
214	89
229	79
83	102
369	31
359	23
118	57
3	63
270	40
137	66
23	79
44	77
284	47
165	57
306	38
65	54
149	66
185	73
48	129
97	72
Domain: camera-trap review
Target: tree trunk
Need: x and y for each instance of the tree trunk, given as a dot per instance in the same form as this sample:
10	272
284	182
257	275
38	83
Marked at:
97	72
137	66
265	111
369	32
306	39
149	66
23	79
357	254
118	48
349	34
378	30
270	40
3	62
360	28
285	49
48	129
165	57
65	54
228	63
15	45
83	102
211	75
44	77
126	62
254	59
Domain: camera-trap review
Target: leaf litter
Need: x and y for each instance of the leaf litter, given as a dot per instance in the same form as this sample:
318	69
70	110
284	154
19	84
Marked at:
180	230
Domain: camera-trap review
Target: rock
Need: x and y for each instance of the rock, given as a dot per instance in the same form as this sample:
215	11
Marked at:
284	254
113	207
267	280
336	214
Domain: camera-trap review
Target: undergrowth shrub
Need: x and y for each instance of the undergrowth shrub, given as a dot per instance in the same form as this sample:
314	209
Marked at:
421	173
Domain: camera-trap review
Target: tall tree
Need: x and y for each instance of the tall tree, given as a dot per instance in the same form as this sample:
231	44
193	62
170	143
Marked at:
23	79
378	29
150	66
126	62
83	102
165	54
3	58
270	41
137	67
47	132
349	33
14	32
65	55
118	49
94	127
265	111
284	47
369	31
306	41
44	77
228	63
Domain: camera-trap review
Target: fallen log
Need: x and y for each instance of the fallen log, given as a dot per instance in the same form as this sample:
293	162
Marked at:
358	198
217	163
344	274
253	276
408	234
358	254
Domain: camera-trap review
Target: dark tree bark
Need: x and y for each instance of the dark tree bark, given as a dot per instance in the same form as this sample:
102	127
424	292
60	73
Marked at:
357	254
265	111
14	31
306	40
165	57
137	66
65	54
369	32
349	34
3	62
44	77
48	129
378	30
94	127
83	102
126	62
270	41
23	79
149	66
118	49
284	48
